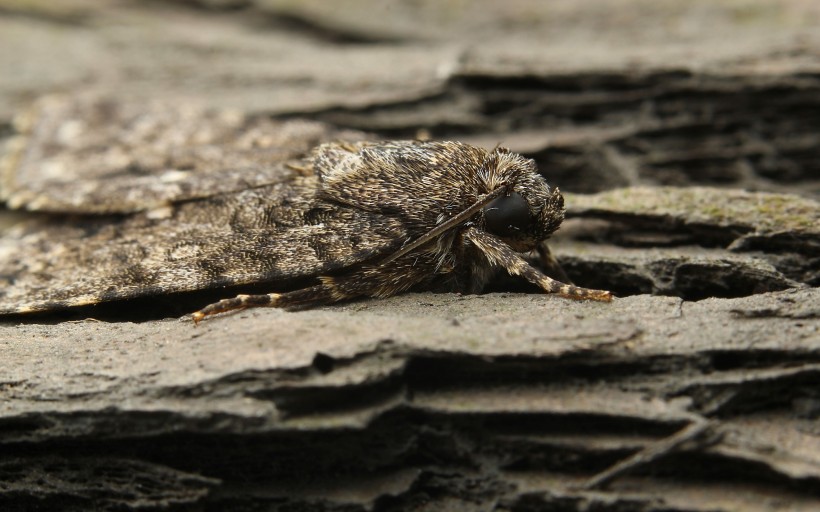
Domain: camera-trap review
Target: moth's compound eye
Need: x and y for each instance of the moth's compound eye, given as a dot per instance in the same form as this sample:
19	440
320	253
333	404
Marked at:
507	215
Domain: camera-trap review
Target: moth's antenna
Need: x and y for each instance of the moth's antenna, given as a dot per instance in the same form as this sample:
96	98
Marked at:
447	225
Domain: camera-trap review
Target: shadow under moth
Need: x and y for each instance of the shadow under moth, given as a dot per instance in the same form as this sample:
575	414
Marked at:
149	200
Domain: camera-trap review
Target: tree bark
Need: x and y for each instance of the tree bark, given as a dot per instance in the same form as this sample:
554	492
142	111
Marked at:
684	137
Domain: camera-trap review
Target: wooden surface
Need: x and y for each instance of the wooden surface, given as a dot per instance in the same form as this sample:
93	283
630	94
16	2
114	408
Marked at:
700	380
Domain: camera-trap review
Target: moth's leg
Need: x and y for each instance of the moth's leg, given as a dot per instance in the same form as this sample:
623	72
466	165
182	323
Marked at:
373	281
500	254
315	295
550	264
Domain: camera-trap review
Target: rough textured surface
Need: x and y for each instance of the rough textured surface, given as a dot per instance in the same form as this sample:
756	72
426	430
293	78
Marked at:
704	374
601	94
693	242
79	154
382	404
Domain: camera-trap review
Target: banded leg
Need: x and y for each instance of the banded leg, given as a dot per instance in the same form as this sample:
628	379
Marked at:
372	281
500	254
316	295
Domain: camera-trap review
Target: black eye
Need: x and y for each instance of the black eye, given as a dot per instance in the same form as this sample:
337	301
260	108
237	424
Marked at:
507	215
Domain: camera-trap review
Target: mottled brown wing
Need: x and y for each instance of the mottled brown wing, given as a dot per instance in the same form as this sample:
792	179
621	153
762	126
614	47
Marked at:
272	233
211	199
91	155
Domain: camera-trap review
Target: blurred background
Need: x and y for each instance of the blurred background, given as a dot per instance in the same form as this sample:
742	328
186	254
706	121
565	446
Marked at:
601	93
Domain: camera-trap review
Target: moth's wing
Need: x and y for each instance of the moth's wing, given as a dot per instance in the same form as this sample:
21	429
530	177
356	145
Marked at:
421	181
271	233
89	155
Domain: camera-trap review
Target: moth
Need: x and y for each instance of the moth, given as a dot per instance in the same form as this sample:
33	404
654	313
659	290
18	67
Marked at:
345	219
460	213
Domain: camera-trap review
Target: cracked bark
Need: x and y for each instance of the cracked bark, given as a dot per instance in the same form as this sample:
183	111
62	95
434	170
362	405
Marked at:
505	401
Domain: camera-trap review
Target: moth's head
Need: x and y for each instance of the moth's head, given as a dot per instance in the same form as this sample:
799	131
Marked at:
530	211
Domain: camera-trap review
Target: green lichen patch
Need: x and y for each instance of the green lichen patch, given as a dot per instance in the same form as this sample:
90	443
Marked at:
757	212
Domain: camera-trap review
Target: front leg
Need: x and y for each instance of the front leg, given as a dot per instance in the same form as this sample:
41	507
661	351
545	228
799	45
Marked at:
500	254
